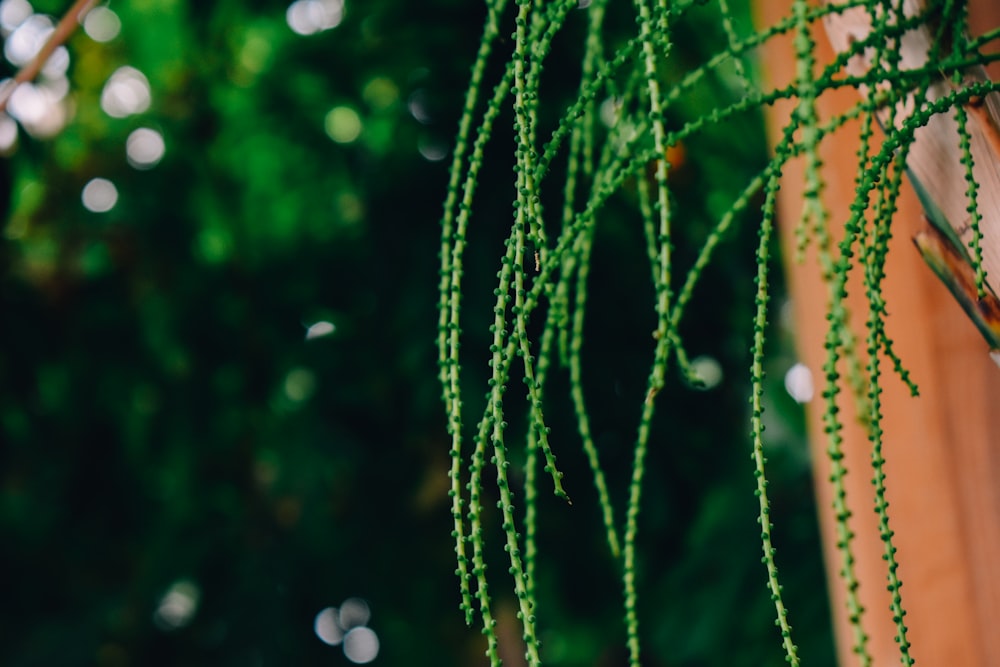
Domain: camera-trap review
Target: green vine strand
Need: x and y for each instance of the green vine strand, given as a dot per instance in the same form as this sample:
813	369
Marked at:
602	153
965	148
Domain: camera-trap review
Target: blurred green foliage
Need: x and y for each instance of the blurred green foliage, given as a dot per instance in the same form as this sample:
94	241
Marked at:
164	419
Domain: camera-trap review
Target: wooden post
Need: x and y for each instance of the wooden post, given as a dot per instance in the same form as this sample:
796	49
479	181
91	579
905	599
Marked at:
942	448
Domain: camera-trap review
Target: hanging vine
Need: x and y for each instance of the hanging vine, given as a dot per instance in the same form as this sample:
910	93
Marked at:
617	137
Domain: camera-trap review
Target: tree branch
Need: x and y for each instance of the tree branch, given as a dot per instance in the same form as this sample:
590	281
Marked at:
66	26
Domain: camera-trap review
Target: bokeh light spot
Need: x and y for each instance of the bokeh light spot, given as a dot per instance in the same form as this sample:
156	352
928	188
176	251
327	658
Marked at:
100	195
13	13
327	628
419	106
432	151
319	330
57	64
256	52
708	370
27	39
350	207
799	383
126	93
354	612
40	107
102	24
307	17
343	125
380	93
361	645
144	148
300	384
28	103
8	133
178	606
609	111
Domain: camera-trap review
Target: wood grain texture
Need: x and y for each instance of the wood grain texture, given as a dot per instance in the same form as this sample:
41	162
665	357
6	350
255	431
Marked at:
934	158
942	449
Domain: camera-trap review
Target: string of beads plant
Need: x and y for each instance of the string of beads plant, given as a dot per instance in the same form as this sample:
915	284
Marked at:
615	140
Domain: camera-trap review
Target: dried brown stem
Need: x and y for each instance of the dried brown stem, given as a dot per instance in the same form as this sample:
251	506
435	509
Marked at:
66	26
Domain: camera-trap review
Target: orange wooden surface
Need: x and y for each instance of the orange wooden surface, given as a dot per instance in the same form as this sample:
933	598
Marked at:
942	449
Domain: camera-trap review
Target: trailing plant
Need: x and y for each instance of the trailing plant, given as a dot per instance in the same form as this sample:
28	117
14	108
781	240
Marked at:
614	145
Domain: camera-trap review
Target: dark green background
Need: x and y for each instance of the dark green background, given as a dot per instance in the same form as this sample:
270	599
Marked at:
148	432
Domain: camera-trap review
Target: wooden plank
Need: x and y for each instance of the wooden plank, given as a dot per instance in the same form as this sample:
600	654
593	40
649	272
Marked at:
941	448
